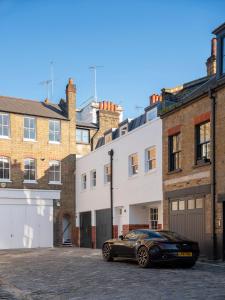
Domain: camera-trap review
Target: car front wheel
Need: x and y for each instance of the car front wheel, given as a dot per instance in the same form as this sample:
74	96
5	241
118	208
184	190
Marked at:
106	252
143	257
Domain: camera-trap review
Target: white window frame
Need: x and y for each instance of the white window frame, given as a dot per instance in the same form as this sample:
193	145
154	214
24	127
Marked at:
93	180
107	173
9	162
81	141
133	168
51	163
8	126
35	170
54	132
148	159
123	129
29	129
83	182
154	217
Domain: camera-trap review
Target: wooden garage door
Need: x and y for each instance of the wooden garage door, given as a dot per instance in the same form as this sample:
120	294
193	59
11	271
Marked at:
103	226
187	218
85	229
26	226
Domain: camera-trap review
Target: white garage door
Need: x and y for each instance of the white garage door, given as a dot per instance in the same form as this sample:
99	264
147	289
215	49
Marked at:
26	218
26	226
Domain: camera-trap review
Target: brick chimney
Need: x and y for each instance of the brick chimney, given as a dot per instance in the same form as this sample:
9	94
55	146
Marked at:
71	100
155	98
211	61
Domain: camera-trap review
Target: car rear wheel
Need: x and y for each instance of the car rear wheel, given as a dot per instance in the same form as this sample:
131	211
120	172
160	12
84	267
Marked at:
106	252
143	257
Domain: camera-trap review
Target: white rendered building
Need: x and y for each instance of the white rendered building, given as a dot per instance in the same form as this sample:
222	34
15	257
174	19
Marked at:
135	195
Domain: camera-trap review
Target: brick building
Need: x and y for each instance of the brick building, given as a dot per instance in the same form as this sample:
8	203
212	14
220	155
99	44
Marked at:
193	155
37	163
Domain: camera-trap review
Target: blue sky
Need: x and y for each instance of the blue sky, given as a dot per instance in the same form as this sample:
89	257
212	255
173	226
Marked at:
144	45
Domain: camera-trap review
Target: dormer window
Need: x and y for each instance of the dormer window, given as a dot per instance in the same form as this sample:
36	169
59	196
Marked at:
123	130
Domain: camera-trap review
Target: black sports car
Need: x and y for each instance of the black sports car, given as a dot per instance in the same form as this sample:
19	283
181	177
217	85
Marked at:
149	247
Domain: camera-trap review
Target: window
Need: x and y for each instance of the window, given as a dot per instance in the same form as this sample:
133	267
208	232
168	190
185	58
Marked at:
54	171
93	178
123	129
83	181
4	125
29	128
181	205
174	152
54	131
191	203
174	205
108	137
29	170
4	169
223	55
152	114
82	136
133	164
107	173
150	161
153	218
203	142
199	203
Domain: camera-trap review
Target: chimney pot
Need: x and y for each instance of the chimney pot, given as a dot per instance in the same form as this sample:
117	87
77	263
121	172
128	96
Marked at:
213	46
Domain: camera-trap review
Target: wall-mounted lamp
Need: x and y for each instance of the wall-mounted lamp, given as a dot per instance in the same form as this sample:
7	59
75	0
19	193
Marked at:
57	202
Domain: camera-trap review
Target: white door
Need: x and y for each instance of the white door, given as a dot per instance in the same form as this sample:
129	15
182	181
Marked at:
26	226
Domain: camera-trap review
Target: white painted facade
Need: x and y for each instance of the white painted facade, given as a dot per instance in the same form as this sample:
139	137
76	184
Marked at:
26	218
133	195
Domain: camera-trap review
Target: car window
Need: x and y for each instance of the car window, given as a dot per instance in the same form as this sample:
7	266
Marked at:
172	235
147	234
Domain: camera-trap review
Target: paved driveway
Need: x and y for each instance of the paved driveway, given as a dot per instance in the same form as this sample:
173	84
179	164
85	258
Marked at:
72	273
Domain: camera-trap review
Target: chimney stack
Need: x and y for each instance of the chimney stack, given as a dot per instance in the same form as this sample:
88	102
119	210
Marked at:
211	61
155	98
71	99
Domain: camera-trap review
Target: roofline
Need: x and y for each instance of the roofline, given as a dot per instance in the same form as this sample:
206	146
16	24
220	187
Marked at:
219	28
34	115
191	100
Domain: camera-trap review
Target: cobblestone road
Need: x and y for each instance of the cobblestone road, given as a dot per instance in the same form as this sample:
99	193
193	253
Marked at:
72	273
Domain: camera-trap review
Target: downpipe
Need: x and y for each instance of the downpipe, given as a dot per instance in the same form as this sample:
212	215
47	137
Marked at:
213	169
111	153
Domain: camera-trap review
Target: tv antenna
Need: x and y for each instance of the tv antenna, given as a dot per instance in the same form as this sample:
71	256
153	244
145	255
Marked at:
49	83
94	68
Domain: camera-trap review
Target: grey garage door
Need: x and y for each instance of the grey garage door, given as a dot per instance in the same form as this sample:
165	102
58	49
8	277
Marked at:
85	229
103	226
187	218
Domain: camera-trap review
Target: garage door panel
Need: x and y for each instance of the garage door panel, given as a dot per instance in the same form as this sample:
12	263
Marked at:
5	227
103	226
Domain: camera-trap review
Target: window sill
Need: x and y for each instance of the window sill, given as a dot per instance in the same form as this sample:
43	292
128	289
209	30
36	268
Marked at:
150	171
82	143
93	187
174	172
54	143
5	181
55	182
201	164
5	137
133	176
30	140
30	181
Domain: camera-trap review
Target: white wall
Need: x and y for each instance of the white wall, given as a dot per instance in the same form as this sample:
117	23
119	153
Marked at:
138	189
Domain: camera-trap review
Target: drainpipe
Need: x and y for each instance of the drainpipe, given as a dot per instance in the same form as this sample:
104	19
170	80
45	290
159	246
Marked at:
111	153
213	169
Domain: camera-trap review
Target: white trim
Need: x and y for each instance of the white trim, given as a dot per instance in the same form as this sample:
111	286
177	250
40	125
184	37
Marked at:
5	137
55	182
8	193
29	140
5	180
54	142
30	181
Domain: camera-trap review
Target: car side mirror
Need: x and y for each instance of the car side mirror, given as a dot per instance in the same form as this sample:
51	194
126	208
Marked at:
121	237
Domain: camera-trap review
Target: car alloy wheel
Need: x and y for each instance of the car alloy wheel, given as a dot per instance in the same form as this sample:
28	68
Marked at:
106	252
143	257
